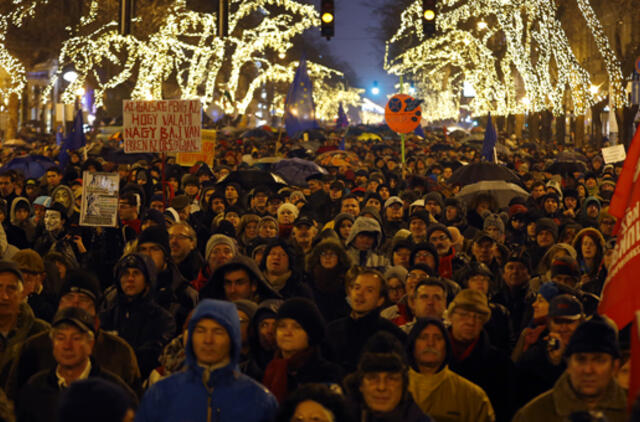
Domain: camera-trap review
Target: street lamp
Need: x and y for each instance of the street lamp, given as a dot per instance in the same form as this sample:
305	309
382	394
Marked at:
70	76
482	25
593	89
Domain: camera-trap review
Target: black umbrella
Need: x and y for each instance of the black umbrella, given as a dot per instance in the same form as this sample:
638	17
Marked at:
120	157
249	179
476	172
441	147
258	133
568	162
567	167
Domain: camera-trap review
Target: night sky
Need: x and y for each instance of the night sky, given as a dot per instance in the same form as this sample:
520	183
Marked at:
354	44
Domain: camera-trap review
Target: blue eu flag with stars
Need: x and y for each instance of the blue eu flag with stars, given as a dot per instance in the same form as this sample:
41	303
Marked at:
299	109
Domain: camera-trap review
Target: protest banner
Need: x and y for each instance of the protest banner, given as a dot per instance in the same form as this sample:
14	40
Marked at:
614	154
99	207
162	126
207	155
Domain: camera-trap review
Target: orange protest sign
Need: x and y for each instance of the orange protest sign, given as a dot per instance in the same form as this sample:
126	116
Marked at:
207	154
403	113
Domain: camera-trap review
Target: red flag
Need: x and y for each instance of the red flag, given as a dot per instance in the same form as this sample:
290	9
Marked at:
620	294
621	196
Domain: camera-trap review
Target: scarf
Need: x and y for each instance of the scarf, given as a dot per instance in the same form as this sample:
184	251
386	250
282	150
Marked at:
329	280
445	266
278	282
461	351
277	371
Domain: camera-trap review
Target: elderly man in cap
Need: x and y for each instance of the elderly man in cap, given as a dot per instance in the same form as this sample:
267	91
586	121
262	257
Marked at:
304	233
588	384
80	290
17	322
438	391
211	387
474	357
73	338
42	302
318	201
539	367
220	249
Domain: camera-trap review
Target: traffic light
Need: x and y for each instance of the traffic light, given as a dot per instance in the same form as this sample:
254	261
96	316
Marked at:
429	16
327	16
126	12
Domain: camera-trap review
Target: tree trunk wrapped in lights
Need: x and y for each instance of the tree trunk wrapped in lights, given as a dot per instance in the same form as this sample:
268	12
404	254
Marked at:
514	53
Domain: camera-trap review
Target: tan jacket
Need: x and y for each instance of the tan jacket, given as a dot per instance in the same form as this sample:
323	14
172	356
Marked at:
561	401
448	397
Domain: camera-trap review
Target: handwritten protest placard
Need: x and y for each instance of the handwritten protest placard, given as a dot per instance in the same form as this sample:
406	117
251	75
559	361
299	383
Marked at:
162	126
614	154
99	206
207	155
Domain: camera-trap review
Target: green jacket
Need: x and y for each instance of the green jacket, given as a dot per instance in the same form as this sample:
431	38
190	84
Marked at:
10	346
561	401
448	397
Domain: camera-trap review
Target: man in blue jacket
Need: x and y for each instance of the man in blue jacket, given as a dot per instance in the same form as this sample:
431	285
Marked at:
211	388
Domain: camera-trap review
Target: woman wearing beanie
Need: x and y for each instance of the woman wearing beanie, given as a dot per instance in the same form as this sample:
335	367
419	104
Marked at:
314	402
378	390
247	230
538	324
300	329
326	268
287	213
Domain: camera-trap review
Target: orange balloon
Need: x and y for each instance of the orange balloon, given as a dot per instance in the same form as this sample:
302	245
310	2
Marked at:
398	117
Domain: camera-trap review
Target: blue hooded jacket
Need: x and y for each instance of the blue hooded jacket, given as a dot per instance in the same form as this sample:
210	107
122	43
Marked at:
200	394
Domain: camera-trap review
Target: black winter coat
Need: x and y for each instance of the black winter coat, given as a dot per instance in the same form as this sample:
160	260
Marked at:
38	400
347	336
144	324
493	371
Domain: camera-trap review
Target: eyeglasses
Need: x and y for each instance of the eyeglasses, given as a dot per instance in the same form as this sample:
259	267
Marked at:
475	316
328	254
179	237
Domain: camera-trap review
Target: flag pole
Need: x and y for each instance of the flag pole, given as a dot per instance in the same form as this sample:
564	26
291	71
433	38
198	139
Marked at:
402	134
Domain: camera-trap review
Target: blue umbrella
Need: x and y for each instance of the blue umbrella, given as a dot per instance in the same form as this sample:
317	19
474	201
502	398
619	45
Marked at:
31	166
296	170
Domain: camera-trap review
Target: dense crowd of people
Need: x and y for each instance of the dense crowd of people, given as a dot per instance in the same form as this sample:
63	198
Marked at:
370	291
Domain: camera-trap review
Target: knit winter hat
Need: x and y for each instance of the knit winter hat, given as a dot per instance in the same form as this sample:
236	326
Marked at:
434	196
81	281
246	306
594	336
438	227
157	235
421	215
565	265
307	314
180	202
471	300
547	224
397	271
493	220
94	399
382	353
137	260
218	239
11	267
289	206
548	291
29	260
